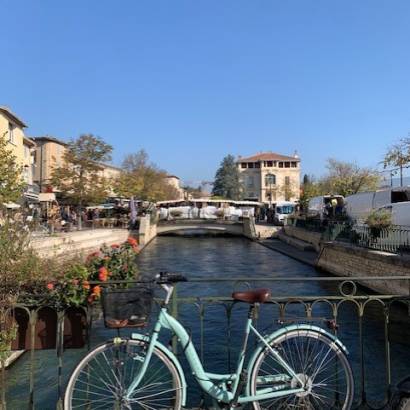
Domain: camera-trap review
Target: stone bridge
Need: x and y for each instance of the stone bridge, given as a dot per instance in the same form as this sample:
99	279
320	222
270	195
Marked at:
212	226
149	230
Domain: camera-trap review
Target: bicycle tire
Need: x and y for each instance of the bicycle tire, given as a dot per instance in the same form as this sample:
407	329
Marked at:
101	378
314	344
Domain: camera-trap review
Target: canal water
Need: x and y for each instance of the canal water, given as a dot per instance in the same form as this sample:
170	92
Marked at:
212	259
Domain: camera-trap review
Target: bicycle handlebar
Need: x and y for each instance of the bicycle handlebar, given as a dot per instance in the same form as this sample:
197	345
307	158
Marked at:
166	277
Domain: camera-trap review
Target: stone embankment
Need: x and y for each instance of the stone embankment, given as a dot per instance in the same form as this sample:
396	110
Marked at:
77	242
343	259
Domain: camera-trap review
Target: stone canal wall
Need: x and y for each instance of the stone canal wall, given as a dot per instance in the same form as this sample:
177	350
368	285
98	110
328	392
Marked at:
77	242
347	260
314	238
147	231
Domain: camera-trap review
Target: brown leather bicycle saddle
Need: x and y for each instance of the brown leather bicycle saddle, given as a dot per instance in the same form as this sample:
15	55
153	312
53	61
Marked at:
253	296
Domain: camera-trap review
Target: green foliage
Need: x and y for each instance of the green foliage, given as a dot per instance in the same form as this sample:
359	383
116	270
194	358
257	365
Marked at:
18	265
398	154
379	219
227	182
143	180
310	188
79	178
11	183
345	178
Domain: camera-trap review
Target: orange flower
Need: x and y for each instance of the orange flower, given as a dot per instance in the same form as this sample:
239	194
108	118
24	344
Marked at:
50	286
93	255
135	248
102	274
96	291
86	284
132	241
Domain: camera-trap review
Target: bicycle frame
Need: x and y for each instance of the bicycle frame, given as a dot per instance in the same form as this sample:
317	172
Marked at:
216	385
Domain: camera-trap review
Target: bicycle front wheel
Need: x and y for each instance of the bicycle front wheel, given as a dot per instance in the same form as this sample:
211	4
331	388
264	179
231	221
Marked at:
318	362
101	379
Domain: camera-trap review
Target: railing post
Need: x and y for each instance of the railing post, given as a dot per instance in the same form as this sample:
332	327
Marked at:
33	321
60	349
387	345
3	385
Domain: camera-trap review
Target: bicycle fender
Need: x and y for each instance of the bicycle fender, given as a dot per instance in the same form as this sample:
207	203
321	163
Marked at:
170	355
286	329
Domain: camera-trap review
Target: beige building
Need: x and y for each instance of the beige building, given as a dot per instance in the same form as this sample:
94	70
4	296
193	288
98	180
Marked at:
175	182
49	155
23	148
269	177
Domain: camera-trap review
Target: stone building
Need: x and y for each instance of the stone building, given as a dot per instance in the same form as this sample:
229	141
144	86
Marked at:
175	182
22	147
269	177
49	155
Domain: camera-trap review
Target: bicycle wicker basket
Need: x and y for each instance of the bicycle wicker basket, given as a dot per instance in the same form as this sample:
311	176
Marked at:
127	307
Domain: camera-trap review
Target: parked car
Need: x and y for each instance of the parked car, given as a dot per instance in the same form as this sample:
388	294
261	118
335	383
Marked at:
282	211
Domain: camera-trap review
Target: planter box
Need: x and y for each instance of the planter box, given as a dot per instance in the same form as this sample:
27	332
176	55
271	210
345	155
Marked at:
45	331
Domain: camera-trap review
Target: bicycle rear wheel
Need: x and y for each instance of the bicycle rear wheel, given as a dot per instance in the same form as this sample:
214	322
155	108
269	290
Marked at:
101	379
319	362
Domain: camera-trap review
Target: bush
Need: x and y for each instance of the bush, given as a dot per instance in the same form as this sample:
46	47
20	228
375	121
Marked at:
379	219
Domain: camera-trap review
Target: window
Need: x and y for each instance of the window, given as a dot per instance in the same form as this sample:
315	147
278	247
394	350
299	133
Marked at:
250	164
280	164
287	180
270	180
250	182
294	164
243	164
257	164
287	164
269	164
26	174
11	133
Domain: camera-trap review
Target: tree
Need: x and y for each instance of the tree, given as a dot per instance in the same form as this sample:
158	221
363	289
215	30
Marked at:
227	183
309	189
345	178
11	182
79	177
143	180
398	155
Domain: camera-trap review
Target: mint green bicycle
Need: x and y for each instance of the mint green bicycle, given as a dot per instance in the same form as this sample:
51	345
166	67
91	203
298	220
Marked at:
299	366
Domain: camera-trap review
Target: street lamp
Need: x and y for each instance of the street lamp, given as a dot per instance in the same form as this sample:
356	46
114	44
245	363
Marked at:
270	180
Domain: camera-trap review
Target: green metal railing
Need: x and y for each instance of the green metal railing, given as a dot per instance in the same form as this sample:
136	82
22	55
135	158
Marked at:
329	309
394	239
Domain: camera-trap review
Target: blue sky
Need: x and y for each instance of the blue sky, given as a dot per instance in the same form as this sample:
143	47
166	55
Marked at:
191	81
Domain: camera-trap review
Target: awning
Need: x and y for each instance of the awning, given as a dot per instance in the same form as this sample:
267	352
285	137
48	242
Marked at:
47	197
11	205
